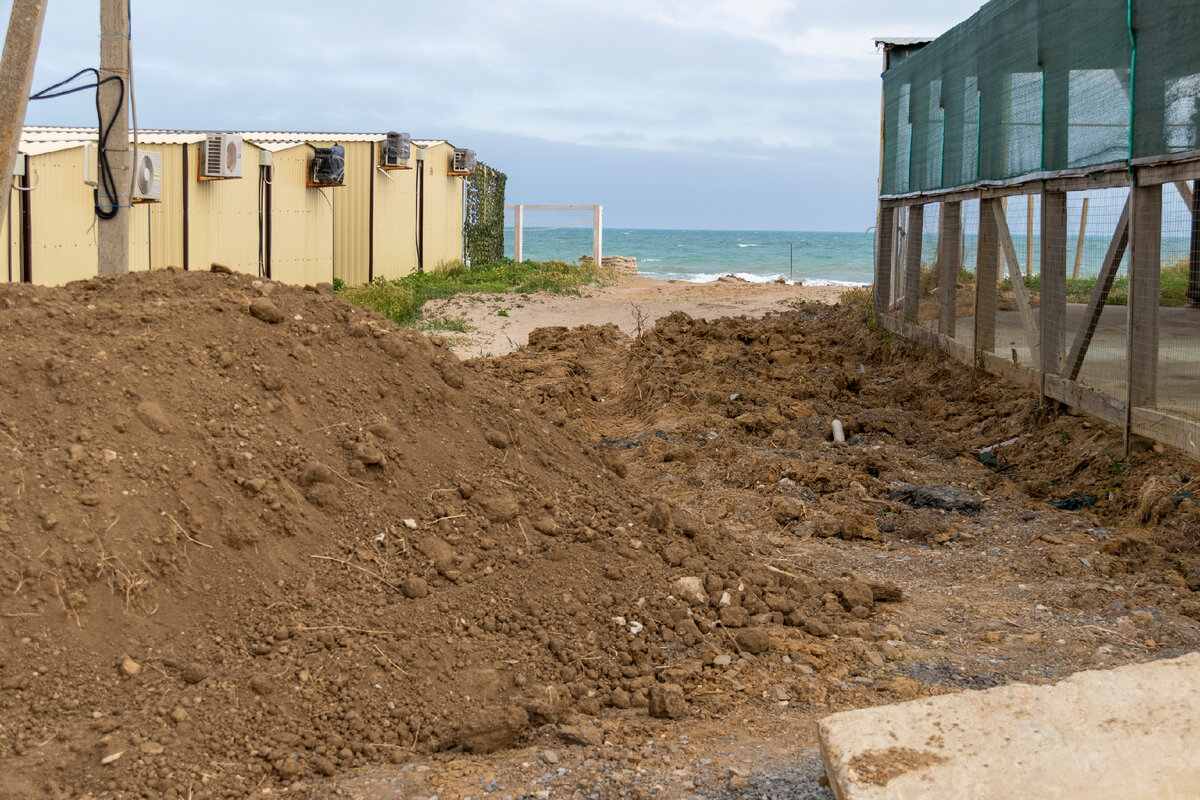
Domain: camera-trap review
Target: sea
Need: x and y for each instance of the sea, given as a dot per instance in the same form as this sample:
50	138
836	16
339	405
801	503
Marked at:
810	258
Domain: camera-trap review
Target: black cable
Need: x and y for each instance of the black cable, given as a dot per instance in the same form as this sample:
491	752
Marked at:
109	209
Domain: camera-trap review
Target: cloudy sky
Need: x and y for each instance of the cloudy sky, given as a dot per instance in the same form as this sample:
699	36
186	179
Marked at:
719	114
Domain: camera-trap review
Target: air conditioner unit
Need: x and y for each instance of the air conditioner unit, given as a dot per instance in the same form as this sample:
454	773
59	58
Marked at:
328	166
221	156
395	151
147	180
463	162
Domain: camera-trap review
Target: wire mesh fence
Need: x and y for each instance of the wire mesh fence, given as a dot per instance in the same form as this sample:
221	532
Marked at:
551	233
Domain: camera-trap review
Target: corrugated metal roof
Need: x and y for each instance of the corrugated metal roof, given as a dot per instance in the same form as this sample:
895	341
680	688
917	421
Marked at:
46	138
899	41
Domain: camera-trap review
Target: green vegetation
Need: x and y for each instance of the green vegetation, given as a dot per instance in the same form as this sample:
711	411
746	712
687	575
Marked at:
1173	287
401	300
445	324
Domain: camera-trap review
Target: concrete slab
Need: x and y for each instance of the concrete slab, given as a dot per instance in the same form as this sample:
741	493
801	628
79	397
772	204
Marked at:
1126	734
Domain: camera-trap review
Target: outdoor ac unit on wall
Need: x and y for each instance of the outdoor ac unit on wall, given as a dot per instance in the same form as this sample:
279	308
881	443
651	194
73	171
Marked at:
328	166
221	156
147	180
395	151
463	162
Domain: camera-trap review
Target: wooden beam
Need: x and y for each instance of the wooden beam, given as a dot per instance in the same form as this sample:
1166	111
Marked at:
1145	269
1029	236
1053	322
20	53
912	263
986	268
883	258
950	239
1095	306
1028	323
112	233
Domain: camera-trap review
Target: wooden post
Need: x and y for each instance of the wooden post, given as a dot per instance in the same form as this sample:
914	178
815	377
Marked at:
1028	323
113	234
1053	322
518	234
1082	240
597	235
1193	290
912	263
16	73
950	230
900	238
1145	268
883	258
1029	235
986	271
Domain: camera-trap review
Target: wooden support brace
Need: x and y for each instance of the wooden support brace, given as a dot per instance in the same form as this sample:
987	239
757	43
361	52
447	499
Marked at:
1028	323
1091	316
1185	192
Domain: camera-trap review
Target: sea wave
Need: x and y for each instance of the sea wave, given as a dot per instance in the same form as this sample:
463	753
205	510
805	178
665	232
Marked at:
747	245
831	282
710	277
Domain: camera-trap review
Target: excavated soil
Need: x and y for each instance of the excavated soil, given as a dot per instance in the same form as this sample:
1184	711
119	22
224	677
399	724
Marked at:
252	536
255	541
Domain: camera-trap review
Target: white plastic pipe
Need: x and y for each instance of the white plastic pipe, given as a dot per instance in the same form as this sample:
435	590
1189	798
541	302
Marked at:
839	435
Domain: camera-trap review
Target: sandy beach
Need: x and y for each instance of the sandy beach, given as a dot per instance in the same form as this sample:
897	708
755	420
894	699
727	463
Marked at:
500	324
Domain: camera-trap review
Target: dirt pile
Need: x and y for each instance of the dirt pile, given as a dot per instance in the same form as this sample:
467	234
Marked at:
735	415
249	533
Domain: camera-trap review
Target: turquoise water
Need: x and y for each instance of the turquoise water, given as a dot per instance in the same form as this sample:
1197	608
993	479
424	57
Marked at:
700	256
815	259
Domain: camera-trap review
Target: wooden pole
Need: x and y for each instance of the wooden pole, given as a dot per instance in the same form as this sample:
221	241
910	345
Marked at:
16	73
1053	322
1145	267
950	230
113	234
987	268
1029	235
912	263
1082	241
598	236
518	234
883	257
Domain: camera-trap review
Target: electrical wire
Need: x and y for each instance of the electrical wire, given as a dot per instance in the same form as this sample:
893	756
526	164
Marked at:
108	208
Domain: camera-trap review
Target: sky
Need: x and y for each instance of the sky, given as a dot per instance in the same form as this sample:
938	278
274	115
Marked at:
693	114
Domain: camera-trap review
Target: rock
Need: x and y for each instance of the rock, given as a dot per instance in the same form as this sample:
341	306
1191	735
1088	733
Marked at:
734	617
621	698
585	734
264	309
220	269
496	439
548	757
111	757
622	265
194	673
415	588
690	589
493	729
130	668
856	594
411	524
753	640
723	660
667	701
546	526
271	379
261	685
152	749
946	498
152	416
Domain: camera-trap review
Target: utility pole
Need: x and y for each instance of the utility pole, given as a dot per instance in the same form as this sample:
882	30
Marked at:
16	73
113	234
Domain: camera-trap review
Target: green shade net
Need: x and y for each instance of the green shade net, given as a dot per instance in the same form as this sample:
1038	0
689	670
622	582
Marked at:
1032	86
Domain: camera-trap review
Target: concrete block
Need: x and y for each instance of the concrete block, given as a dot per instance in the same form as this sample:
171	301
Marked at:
1125	734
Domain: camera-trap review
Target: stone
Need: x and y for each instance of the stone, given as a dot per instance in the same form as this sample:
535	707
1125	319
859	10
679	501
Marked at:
264	309
1098	735
415	588
667	701
691	590
734	617
220	269
153	417
622	265
130	668
194	673
492	729
753	640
